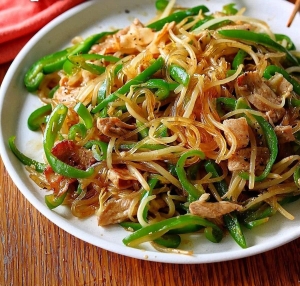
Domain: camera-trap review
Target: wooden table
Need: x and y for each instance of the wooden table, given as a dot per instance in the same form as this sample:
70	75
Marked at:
33	251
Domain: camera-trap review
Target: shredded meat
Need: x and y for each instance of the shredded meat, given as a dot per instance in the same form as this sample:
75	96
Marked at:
130	40
239	128
73	155
113	127
160	38
284	134
121	178
250	85
58	183
116	210
213	210
280	85
240	160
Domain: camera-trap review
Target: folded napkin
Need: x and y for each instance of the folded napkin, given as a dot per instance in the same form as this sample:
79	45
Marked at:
21	19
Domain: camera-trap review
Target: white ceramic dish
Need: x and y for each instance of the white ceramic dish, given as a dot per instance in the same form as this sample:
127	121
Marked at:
16	104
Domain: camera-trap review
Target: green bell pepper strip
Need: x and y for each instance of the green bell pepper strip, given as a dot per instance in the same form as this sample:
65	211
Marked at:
294	103
143	133
193	192
226	104
219	24
201	22
163	87
52	129
38	117
179	74
142	77
260	39
54	62
229	9
161	131
230	220
271	70
35	73
102	145
256	223
297	176
161	5
52	91
53	201
69	68
281	37
39	167
102	91
256	217
129	146
167	240
185	229
270	138
155	230
84	114
101	96
177	17
239	59
75	129
80	61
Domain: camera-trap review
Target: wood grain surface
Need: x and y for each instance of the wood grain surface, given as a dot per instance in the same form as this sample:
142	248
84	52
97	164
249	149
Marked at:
33	251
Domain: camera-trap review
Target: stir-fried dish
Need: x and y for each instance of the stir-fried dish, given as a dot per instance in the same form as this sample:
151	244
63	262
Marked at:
187	124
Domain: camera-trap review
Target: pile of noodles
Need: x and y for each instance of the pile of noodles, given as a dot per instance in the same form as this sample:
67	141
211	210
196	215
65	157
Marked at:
189	114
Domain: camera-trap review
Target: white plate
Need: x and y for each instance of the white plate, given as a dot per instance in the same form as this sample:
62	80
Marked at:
16	104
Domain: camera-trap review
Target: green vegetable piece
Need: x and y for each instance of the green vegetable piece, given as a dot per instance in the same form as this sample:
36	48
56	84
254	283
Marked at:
194	193
84	114
225	104
179	74
69	68
143	133
255	223
53	201
144	146
297	176
271	70
102	145
261	39
239	59
162	87
39	167
220	24
52	91
178	17
142	77
270	138
281	37
161	4
230	220
75	129
229	9
156	230
38	117
167	240
81	61
201	22
54	62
